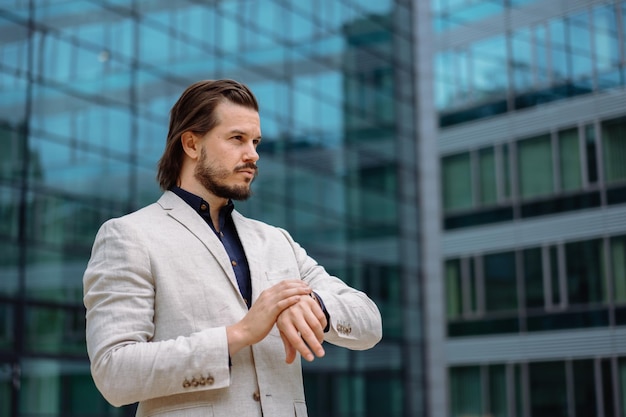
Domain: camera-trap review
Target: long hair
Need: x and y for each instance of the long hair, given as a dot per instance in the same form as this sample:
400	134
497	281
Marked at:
195	112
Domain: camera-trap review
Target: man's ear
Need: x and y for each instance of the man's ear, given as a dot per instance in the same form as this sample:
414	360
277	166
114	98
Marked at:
191	144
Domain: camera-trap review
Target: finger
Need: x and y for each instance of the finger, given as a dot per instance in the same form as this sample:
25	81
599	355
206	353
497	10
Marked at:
317	320
297	343
287	302
290	351
311	338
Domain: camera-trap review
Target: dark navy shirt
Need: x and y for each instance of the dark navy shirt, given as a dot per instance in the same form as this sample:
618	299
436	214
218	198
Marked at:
227	235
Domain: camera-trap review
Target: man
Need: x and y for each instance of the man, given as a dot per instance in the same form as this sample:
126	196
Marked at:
196	310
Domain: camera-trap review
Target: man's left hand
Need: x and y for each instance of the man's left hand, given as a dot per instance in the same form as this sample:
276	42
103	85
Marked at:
302	327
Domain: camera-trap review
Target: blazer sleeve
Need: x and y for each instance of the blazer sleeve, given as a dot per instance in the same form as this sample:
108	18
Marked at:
355	321
127	365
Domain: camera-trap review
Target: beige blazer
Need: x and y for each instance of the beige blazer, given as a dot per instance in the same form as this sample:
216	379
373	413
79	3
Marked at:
159	291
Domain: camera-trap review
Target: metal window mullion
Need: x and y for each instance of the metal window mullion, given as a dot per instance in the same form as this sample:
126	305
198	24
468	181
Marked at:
509	372
485	394
534	56
548	44
515	198
562	268
556	162
547	279
609	280
569	388
599	145
525	390
582	141
475	179
616	384
597	371
479	281
499	165
466	310
521	289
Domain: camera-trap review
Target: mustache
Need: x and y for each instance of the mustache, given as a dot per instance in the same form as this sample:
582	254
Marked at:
247	165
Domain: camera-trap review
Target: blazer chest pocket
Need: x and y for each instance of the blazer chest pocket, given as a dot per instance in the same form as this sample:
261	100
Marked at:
282	274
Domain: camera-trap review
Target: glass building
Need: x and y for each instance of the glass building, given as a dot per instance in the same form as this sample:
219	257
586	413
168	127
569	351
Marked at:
85	91
530	99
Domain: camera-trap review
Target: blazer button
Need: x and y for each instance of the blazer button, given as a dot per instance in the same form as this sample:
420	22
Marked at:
210	380
194	382
186	383
256	396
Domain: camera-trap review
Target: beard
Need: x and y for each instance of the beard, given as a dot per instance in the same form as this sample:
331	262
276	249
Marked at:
212	178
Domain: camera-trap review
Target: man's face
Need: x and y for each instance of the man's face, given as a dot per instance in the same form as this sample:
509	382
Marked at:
227	163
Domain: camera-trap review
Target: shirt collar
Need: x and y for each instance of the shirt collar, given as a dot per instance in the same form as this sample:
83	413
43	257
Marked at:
199	204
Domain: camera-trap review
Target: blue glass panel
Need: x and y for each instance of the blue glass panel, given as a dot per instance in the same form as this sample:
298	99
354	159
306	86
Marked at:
13	45
606	37
560	58
489	68
580	45
522	59
541	54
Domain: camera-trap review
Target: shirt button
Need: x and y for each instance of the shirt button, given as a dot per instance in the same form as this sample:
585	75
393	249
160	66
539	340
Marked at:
256	396
203	207
234	263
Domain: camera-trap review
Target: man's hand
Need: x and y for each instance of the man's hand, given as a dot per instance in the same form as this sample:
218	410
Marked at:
302	327
260	319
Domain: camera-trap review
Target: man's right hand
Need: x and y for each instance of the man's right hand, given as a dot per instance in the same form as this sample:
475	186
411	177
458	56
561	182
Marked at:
260	319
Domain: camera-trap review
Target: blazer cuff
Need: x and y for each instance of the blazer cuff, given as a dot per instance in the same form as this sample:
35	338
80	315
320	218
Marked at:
323	306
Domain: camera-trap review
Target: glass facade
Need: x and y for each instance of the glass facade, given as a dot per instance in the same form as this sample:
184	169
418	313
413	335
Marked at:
557	56
553	172
532	147
85	91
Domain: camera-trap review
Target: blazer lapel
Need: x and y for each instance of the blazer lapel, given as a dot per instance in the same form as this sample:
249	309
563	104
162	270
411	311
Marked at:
251	242
189	219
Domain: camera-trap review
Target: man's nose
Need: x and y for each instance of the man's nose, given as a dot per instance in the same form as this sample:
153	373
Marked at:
251	154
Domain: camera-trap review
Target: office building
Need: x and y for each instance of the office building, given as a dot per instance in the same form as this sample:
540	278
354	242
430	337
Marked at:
531	105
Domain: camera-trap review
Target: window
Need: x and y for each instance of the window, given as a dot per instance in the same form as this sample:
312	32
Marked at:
489	68
584	387
487	176
560	58
457	182
621	370
500	282
614	144
521	61
579	39
569	160
454	293
585	272
606	37
533	277
498	401
479	391
535	166
618	266
548	392
466	392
